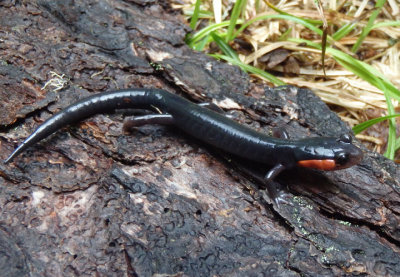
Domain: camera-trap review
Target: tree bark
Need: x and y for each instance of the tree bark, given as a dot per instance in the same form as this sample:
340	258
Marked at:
92	199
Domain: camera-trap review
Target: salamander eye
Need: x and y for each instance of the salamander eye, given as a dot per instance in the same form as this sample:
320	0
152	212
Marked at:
342	158
345	138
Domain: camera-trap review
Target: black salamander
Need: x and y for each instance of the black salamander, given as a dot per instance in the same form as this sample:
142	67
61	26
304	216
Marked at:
323	153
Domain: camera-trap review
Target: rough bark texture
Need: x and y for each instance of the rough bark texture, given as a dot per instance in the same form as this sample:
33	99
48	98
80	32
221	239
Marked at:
94	201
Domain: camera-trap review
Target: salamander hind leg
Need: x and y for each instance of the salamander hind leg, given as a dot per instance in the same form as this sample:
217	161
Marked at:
275	190
136	121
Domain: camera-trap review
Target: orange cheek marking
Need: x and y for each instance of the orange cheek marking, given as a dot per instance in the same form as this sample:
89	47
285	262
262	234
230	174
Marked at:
318	164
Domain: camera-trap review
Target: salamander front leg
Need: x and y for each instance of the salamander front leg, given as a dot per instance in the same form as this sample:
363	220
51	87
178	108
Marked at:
275	190
136	121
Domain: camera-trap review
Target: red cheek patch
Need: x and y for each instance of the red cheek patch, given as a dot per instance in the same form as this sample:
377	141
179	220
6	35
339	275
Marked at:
318	164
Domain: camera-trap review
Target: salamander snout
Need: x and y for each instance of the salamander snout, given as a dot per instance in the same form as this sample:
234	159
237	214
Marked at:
348	155
328	153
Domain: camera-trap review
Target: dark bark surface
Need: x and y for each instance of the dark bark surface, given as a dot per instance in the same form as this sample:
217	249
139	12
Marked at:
92	199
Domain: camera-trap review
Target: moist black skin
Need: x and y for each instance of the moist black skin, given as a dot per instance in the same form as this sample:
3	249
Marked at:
209	126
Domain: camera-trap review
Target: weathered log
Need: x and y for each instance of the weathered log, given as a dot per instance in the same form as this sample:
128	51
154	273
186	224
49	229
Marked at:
95	200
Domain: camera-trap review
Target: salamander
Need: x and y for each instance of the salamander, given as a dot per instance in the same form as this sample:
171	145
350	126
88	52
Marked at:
212	127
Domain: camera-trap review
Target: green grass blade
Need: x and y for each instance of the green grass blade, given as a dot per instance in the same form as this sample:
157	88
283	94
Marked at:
225	48
257	5
202	14
195	16
367	73
285	35
386	24
397	145
206	31
344	30
378	6
301	21
347	28
312	21
251	69
391	141
237	9
366	124
361	69
199	46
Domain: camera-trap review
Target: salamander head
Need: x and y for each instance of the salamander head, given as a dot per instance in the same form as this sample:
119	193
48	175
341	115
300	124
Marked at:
328	153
